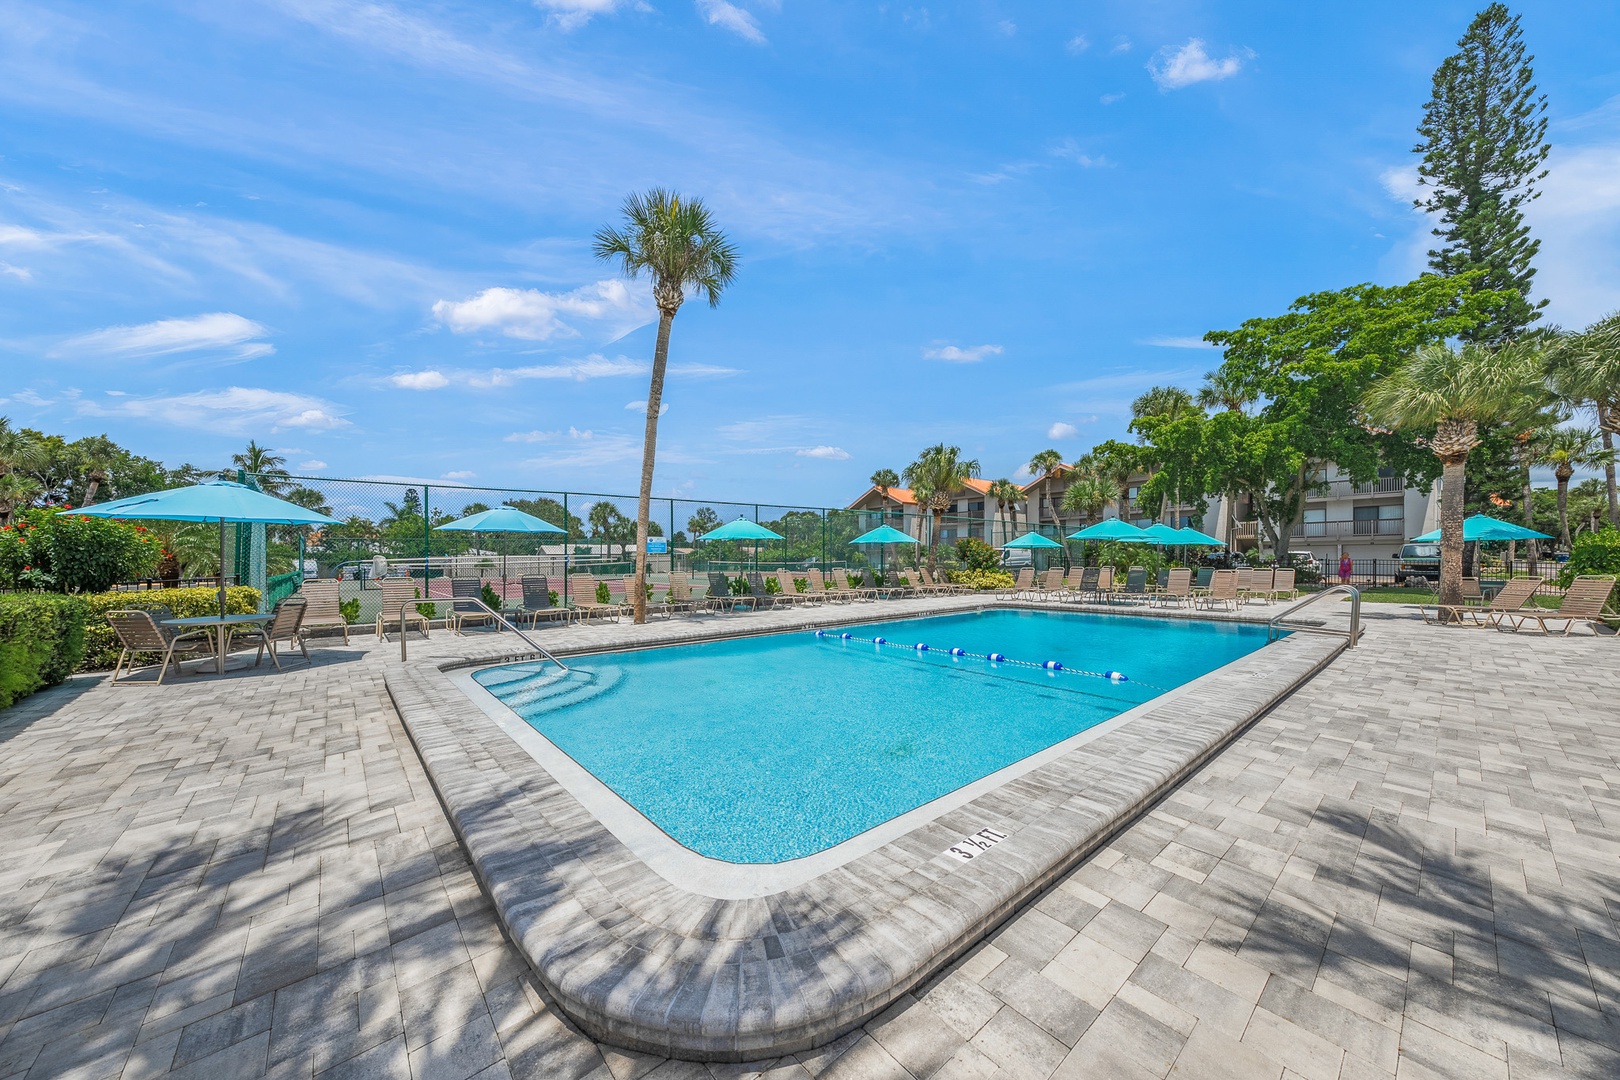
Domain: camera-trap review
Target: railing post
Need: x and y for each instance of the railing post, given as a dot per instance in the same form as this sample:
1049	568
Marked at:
427	545
568	543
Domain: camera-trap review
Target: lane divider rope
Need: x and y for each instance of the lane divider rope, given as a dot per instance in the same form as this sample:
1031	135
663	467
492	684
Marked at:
1115	677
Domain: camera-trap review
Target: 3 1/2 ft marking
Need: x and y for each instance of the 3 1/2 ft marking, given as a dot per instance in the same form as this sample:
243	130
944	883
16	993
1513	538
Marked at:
971	847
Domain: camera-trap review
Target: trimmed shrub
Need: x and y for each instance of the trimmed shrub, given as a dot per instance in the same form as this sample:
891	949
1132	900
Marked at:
66	553
41	642
983	579
975	554
101	644
1593	553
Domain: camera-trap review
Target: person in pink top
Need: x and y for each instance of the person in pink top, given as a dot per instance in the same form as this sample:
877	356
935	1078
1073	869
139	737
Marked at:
1346	567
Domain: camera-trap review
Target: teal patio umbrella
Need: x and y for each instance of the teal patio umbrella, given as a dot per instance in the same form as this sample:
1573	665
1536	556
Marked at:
1112	529
1034	541
1193	538
1481	527
502	519
1162	535
218	500
743	529
883	535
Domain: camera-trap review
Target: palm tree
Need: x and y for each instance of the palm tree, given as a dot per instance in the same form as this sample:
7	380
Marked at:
1568	449
1455	392
18	450
1585	370
676	242
1114	462
1171	403
883	480
938	473
98	455
1007	495
1043	465
265	466
1224	389
1087	496
16	492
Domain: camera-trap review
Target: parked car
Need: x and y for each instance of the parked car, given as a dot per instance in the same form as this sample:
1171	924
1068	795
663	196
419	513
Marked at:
1419	564
1304	560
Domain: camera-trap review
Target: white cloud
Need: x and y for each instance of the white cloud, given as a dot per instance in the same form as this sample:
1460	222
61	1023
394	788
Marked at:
1069	150
617	306
220	331
22	273
731	17
703	371
1173	69
1060	430
419	380
532	436
826	453
312	465
572	14
587	449
1122	44
1078	44
956	355
235	410
641	407
1109	99
459	474
1167	341
594	366
1007	27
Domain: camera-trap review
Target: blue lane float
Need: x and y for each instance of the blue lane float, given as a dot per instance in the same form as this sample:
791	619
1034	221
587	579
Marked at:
1115	677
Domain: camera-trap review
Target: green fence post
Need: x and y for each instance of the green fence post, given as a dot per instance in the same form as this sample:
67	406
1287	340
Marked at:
824	541
568	543
669	545
427	544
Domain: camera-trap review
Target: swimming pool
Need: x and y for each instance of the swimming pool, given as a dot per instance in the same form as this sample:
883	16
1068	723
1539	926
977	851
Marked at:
773	748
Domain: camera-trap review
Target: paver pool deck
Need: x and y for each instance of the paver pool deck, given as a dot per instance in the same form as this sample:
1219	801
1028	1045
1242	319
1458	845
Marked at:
1409	868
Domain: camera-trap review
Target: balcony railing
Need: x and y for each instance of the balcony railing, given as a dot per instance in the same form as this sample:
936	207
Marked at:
1343	489
1369	527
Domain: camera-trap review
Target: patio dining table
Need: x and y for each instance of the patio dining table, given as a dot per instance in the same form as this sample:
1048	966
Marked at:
221	626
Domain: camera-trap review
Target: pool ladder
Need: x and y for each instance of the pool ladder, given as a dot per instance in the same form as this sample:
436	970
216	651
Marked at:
502	619
1276	624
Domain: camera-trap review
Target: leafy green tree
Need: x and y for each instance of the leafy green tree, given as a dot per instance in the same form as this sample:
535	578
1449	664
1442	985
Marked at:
1585	371
939	472
676	242
1445	396
19	448
703	520
1565	450
551	510
1114	463
607	524
98	455
1483	141
1007	496
1163	405
17	491
1044	465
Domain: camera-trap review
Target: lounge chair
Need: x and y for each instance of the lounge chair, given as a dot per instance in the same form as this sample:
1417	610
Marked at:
1105	584
1083	582
1282	584
396	593
1582	603
1051	586
286	624
1223	591
923	583
1201	585
761	596
1135	584
720	598
537	603
459	613
841	585
819	588
1025	583
1511	597
681	600
582	590
1259	585
813	592
139	631
324	606
1177	589
786	595
1471	591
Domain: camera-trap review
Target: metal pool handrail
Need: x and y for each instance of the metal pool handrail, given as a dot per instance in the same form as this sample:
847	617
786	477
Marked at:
502	619
1276	622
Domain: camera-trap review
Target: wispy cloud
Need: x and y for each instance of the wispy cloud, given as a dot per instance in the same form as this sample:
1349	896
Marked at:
825	453
572	14
312	465
218	332
535	436
581	449
1069	149
954	354
234	410
459	474
1077	44
615	305
1167	341
1173	69
641	407
731	17
1109	99
1061	430
1121	44
419	380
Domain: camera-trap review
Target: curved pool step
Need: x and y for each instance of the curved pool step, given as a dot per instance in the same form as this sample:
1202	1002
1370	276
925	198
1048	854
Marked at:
553	689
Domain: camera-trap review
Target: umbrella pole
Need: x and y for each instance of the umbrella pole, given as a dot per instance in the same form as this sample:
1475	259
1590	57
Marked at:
222	568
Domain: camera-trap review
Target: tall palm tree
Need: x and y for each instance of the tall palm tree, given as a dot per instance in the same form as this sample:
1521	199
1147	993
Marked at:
1087	496
1585	370
1043	465
676	242
97	455
935	477
264	465
1568	449
17	490
1114	462
883	480
1007	495
1225	389
1455	392
18	450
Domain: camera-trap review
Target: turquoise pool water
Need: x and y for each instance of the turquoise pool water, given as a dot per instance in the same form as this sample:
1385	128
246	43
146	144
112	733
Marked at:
761	750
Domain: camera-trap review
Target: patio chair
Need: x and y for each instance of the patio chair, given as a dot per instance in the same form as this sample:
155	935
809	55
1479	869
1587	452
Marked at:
286	624
582	589
942	583
1223	591
1582	603
1087	584
719	596
842	584
1177	589
324	606
681	600
460	614
1282	584
1245	579
790	579
139	631
537	603
1051	586
1259	585
1135	584
1024	583
1511	597
396	593
1105	584
1472	594
1201	585
763	600
786	595
817	586
923	583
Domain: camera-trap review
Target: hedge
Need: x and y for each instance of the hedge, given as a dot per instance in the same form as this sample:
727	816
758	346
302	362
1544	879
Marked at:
41	641
1594	553
101	651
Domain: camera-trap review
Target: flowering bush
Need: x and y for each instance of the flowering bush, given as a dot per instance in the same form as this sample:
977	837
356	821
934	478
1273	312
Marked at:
56	552
983	579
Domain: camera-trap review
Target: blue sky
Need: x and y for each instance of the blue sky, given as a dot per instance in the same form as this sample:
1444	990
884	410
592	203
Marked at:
358	231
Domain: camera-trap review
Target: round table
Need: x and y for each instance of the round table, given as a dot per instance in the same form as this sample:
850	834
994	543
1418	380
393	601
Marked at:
221	626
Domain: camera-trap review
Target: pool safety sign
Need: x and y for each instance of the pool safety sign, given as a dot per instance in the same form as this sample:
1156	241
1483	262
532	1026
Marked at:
971	847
